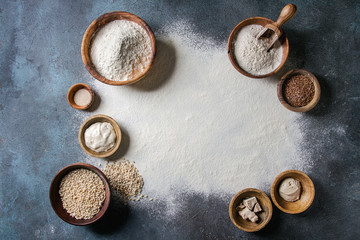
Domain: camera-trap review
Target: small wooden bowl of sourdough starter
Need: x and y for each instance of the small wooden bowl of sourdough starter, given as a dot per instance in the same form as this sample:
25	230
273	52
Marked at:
99	119
138	43
56	201
264	216
286	77
283	41
307	193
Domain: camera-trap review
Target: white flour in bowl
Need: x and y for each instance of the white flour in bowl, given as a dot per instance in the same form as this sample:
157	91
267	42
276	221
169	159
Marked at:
121	50
251	53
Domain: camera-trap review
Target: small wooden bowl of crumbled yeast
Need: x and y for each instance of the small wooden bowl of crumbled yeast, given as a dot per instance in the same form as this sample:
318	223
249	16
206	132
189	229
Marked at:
256	21
96	119
56	201
95	27
264	216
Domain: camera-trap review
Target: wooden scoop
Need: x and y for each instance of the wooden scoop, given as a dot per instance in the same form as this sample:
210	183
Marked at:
273	30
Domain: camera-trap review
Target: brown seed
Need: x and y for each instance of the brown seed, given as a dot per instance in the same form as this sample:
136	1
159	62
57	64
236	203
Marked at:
298	91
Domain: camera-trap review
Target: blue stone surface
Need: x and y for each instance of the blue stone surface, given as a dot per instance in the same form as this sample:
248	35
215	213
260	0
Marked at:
40	59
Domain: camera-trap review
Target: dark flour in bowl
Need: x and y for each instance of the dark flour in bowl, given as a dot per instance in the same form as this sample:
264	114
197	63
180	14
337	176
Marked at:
251	53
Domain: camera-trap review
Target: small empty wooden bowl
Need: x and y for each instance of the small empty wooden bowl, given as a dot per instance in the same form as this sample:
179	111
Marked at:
264	215
286	77
73	89
88	123
55	198
306	197
259	21
95	27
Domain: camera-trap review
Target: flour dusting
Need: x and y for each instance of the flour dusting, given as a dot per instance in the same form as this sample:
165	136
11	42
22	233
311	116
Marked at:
207	129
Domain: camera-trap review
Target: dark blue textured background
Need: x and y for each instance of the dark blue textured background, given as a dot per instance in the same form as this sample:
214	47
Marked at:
40	59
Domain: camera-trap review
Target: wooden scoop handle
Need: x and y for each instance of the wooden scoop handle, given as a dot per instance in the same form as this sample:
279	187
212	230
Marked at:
287	13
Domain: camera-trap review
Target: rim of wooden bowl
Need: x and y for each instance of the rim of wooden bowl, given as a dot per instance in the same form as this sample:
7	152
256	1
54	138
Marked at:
55	198
308	187
95	26
262	198
288	75
72	91
259	21
94	119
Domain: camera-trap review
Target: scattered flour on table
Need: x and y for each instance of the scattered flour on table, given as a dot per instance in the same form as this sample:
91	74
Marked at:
121	50
207	128
251	53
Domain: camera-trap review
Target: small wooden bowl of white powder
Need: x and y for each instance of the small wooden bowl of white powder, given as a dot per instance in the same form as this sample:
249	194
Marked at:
118	48
100	136
249	55
80	194
80	96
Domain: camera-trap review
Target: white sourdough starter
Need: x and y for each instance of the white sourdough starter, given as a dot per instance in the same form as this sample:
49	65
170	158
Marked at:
197	125
100	136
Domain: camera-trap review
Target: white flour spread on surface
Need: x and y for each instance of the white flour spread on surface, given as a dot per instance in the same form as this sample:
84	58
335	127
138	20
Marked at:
121	50
207	128
251	53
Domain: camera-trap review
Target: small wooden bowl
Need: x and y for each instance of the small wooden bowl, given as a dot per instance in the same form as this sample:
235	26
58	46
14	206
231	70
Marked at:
88	123
95	26
55	198
306	197
259	21
264	216
72	91
287	76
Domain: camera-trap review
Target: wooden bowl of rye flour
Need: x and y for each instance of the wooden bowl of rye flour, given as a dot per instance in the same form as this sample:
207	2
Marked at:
118	76
283	40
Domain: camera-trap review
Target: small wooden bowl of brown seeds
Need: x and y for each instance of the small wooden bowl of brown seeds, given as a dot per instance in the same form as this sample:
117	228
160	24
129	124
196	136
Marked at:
299	90
80	194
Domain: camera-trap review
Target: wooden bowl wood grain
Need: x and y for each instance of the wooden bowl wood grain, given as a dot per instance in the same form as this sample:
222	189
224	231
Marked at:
95	26
55	198
264	216
286	77
306	197
88	123
259	21
72	91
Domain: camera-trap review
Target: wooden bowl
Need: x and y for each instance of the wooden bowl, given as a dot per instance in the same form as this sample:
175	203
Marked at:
306	197
95	26
287	76
264	216
72	91
259	21
88	123
55	198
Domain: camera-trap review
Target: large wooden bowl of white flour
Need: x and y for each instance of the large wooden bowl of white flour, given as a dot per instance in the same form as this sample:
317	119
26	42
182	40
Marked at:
118	48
